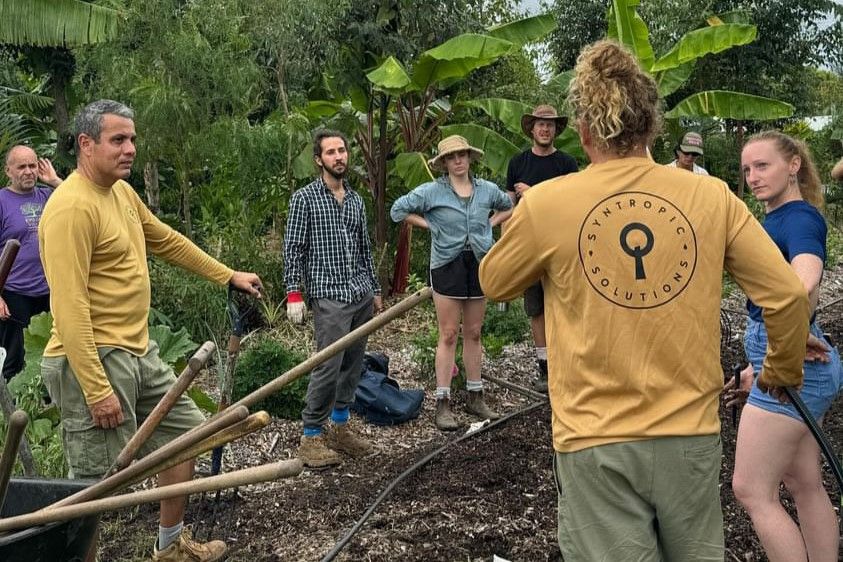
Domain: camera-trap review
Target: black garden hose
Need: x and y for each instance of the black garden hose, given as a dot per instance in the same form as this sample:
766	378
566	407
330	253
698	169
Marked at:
388	490
818	434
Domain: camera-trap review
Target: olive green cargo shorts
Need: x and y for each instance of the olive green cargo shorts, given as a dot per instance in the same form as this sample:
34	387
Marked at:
642	501
139	383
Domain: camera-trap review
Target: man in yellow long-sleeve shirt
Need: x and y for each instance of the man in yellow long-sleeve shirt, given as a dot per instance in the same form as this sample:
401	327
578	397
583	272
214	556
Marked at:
100	366
630	254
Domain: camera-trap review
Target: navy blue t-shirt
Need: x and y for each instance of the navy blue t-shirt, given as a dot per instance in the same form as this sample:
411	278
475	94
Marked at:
796	228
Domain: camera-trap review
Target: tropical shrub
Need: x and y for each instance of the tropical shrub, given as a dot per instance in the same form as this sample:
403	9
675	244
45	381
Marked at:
261	364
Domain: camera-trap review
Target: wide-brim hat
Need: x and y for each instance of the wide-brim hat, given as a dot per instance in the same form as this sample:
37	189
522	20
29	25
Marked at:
449	145
543	112
691	143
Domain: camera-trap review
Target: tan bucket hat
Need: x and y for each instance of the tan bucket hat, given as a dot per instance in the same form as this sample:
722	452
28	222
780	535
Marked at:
543	112
449	145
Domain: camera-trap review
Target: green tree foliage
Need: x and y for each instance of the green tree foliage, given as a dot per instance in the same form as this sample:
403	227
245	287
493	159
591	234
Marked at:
185	68
262	363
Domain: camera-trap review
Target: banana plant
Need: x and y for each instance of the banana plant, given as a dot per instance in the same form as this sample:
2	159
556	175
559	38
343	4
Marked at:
672	69
404	109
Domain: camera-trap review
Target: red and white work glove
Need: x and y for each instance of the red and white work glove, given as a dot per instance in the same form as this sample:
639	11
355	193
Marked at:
295	307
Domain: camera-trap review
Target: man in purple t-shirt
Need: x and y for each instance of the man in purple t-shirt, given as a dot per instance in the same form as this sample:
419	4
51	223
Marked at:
25	293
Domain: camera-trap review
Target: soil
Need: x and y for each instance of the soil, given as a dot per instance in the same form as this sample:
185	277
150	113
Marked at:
489	495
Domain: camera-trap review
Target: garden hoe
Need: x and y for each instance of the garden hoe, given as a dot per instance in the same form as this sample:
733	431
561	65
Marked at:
236	317
7	258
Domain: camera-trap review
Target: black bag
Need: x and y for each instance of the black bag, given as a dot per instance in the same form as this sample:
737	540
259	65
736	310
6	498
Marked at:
379	399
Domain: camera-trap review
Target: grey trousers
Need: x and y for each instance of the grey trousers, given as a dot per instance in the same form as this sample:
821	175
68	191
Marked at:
333	383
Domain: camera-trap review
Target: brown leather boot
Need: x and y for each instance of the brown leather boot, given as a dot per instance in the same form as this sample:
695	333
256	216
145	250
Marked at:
477	406
314	452
445	420
339	437
185	549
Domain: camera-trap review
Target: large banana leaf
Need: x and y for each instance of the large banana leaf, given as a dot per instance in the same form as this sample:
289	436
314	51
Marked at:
303	166
569	141
55	23
672	79
708	40
508	112
457	57
524	31
412	168
562	81
499	151
390	77
627	27
317	109
730	105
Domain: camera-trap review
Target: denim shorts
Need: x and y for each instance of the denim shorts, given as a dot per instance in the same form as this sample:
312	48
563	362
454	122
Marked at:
821	383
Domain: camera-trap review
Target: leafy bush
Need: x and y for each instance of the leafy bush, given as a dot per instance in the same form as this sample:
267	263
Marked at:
500	328
27	387
261	364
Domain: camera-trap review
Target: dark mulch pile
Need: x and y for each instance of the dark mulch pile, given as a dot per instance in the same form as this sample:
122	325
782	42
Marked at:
491	494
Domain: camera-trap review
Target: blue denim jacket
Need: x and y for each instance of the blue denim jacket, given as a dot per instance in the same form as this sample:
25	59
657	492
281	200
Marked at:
452	221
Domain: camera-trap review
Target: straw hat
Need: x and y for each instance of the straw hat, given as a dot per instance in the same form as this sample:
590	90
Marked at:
449	145
543	112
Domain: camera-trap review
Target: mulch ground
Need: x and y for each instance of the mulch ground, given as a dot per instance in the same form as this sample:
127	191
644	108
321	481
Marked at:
489	495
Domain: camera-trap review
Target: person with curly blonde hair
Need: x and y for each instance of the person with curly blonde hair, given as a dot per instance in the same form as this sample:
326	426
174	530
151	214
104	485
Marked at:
630	255
774	445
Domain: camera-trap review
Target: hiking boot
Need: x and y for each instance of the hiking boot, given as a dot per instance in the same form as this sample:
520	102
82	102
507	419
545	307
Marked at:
314	452
477	406
540	384
445	420
340	438
185	549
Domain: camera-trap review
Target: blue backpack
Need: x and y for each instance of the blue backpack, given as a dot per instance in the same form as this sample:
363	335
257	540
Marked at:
379	399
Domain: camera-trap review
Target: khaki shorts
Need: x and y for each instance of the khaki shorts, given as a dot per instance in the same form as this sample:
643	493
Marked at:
648	501
139	383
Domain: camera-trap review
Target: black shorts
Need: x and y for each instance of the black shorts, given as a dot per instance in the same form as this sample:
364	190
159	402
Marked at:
459	279
534	300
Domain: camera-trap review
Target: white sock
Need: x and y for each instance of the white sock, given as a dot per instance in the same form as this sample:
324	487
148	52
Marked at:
472	386
168	535
443	392
541	353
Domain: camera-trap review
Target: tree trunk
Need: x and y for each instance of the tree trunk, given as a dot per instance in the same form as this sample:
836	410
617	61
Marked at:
152	187
58	88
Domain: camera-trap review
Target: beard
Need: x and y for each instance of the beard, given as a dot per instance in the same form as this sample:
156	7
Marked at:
334	172
542	142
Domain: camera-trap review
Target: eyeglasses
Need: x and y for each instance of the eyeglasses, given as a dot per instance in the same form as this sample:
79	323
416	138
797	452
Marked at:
691	154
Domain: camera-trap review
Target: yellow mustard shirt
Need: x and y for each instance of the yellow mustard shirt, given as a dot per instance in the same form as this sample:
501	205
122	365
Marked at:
94	241
630	254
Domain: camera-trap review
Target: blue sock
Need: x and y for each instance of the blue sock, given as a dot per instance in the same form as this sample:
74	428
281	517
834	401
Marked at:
312	431
340	415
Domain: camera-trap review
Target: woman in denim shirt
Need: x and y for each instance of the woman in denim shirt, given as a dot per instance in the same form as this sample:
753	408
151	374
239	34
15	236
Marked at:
456	208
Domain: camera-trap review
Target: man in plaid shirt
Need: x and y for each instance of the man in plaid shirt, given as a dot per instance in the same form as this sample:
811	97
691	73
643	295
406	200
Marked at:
327	251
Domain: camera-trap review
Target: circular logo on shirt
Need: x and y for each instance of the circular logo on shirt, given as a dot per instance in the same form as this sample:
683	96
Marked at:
132	214
638	250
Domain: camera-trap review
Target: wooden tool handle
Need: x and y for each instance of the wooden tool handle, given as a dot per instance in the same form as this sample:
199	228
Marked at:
17	425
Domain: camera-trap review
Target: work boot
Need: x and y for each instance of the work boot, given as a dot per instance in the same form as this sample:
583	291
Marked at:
477	406
185	549
340	438
314	452
445	420
540	384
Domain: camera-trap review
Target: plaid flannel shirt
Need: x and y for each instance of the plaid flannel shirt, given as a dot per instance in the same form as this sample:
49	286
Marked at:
326	245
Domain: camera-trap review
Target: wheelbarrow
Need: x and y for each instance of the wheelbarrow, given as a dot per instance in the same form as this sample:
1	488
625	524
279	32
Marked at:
63	541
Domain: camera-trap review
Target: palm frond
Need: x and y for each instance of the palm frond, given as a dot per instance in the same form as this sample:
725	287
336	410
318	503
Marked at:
55	23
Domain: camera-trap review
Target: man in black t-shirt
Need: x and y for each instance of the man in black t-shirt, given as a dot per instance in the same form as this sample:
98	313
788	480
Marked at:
539	163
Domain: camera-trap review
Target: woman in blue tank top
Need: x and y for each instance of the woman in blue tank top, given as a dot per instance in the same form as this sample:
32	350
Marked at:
774	445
